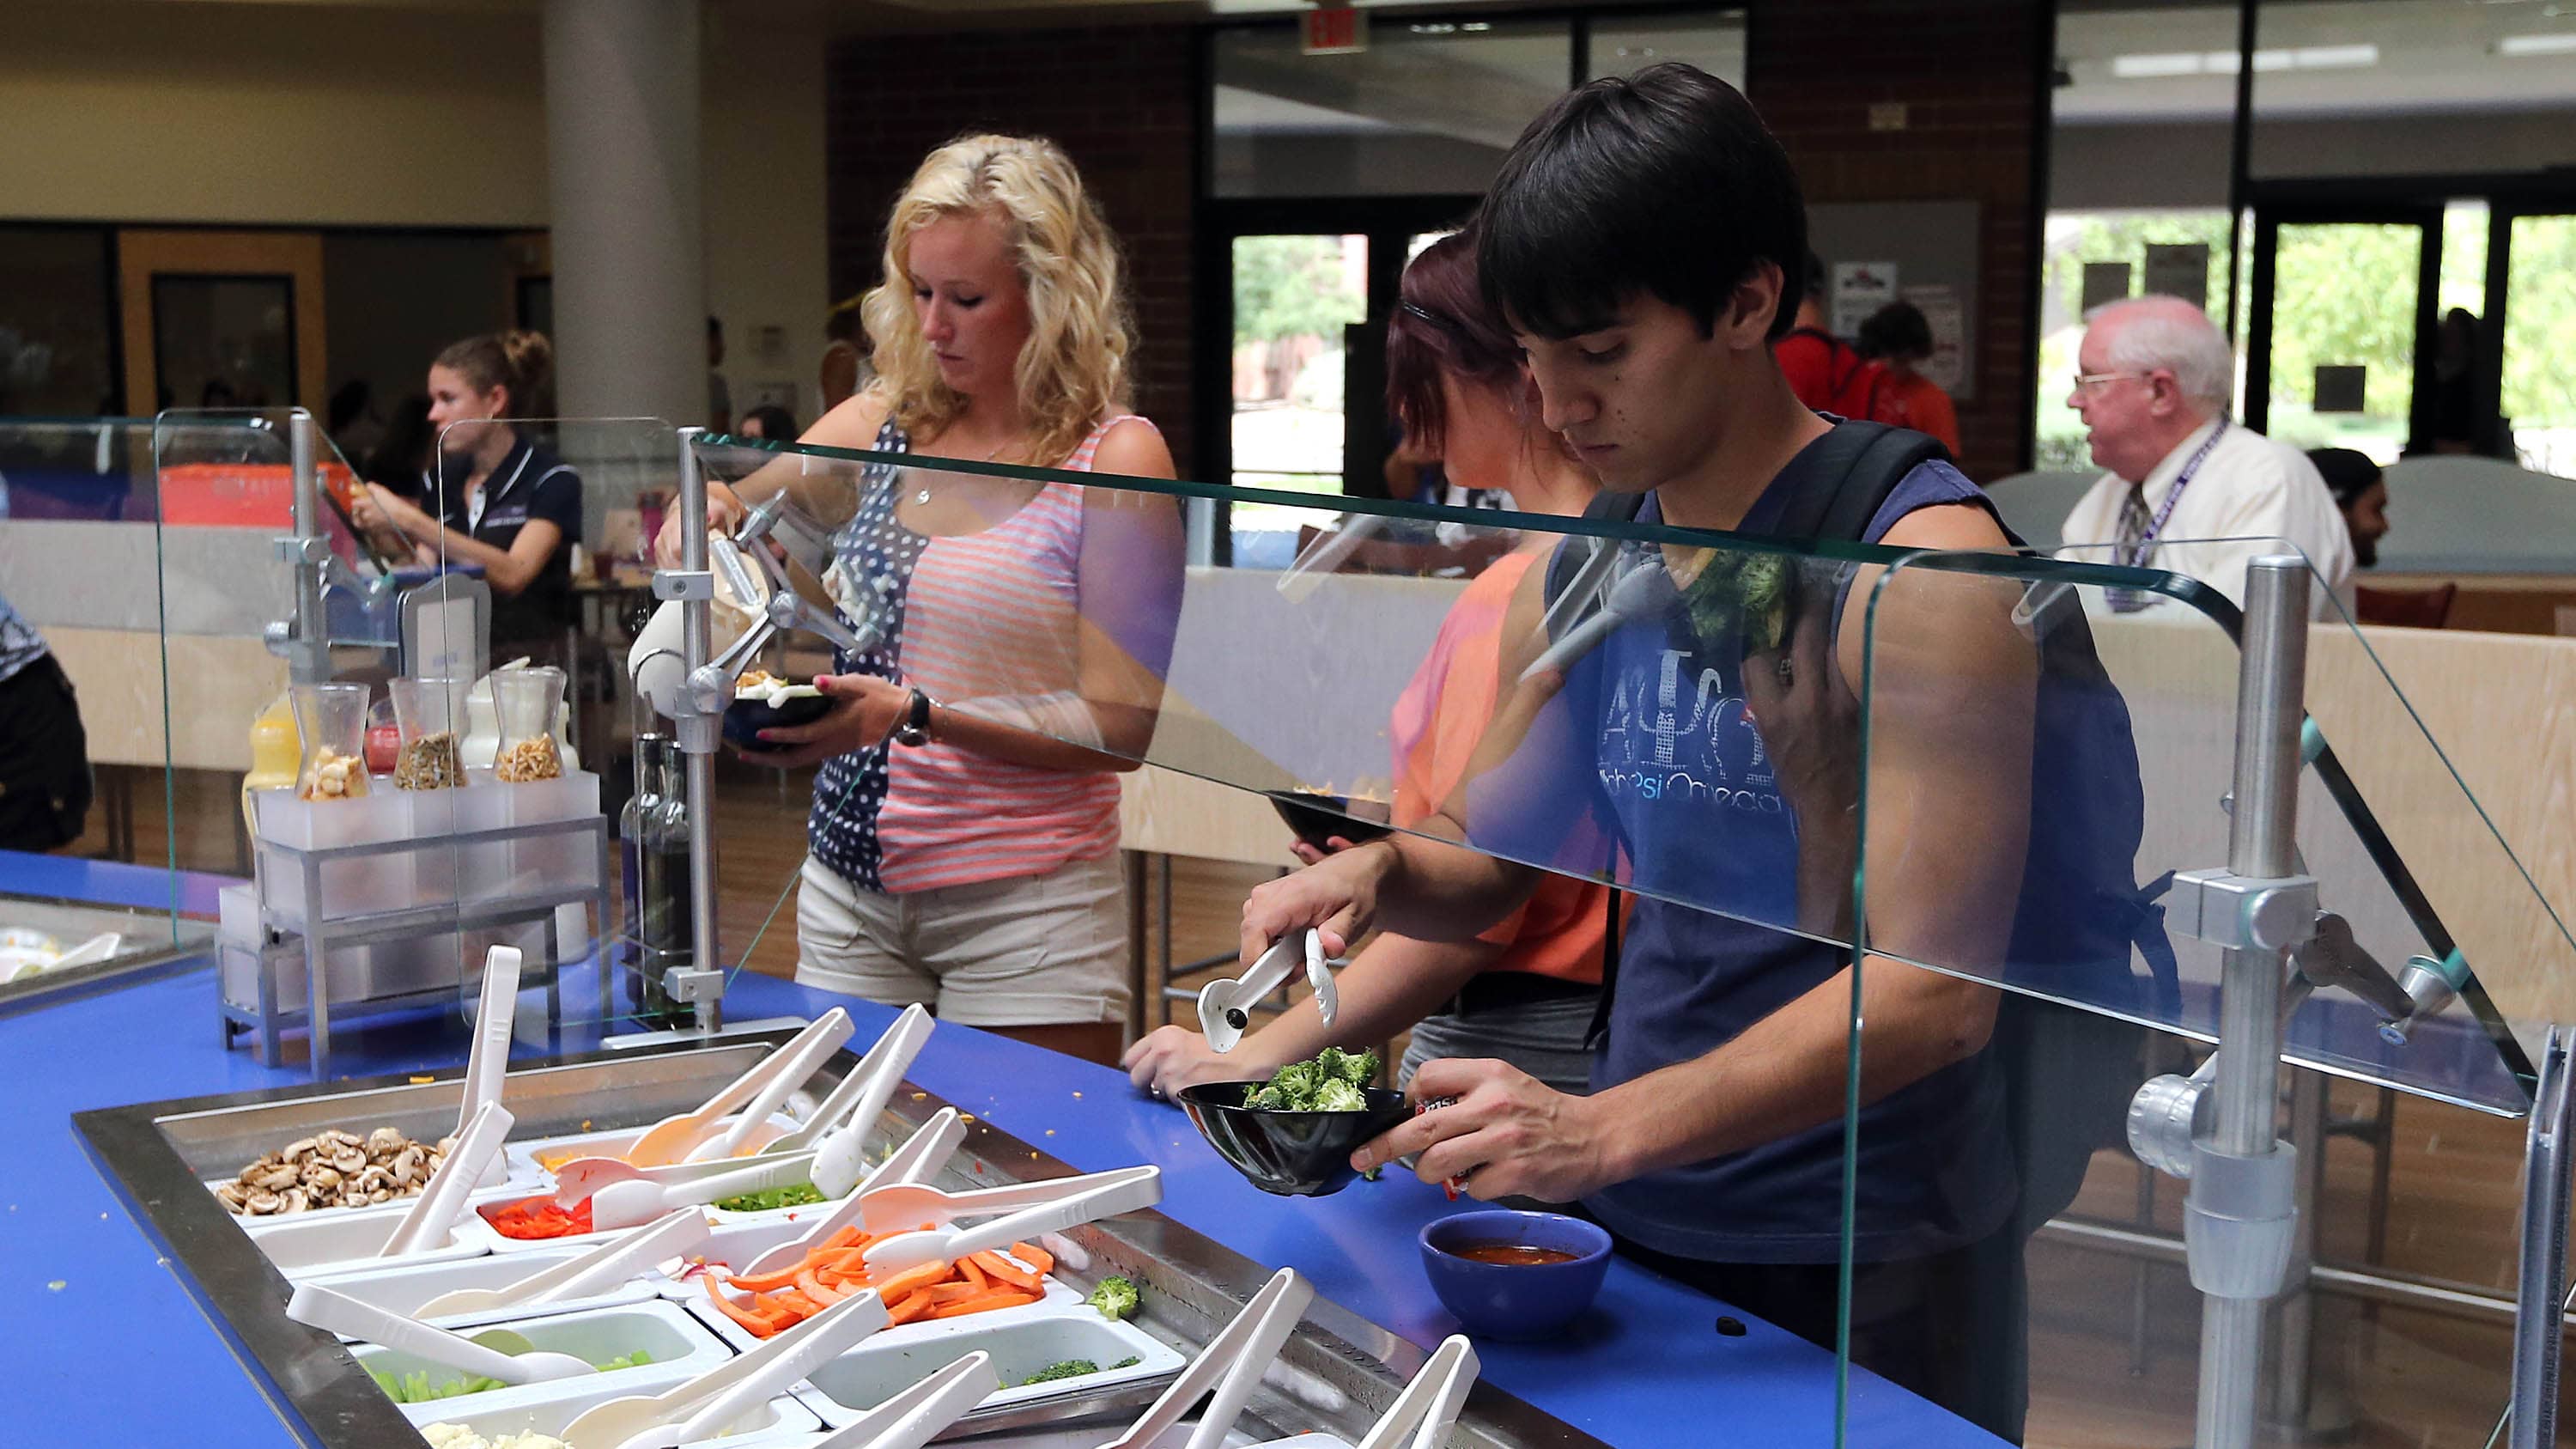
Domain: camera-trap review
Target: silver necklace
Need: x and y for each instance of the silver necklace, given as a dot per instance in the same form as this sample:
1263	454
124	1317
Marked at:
922	496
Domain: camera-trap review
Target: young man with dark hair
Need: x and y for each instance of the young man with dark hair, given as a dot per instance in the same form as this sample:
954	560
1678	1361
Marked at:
1646	240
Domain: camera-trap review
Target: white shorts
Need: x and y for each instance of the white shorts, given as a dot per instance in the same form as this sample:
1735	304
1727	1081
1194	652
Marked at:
1034	951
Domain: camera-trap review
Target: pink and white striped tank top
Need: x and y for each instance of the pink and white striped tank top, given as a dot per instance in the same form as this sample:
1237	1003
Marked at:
977	616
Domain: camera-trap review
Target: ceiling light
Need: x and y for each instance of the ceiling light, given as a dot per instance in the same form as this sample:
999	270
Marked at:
2150	67
2164	65
2562	44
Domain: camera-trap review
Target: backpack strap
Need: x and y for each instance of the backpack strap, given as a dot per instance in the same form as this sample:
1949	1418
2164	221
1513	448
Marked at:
1845	477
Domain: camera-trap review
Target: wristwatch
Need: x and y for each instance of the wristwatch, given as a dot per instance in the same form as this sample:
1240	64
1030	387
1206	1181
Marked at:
915	729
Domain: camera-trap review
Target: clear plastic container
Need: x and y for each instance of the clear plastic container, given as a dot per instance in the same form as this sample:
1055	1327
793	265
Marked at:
332	718
528	702
431	716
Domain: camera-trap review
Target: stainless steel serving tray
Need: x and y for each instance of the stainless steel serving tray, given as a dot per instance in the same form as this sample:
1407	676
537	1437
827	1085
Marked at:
1337	1374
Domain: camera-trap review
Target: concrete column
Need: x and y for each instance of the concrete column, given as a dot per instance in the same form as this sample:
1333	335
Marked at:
622	81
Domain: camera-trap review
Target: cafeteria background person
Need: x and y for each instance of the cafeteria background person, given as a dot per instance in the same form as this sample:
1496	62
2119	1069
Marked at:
845	353
2185	488
1524	990
963	849
500	499
1645	239
44	755
1898	338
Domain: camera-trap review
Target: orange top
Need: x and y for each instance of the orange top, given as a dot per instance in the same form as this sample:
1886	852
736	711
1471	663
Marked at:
1438	720
1920	404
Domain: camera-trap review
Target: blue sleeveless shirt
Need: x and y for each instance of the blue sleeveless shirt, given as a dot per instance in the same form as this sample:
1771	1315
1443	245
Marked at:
1690	792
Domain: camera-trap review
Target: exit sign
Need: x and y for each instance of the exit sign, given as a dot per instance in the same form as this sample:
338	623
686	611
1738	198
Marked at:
1334	30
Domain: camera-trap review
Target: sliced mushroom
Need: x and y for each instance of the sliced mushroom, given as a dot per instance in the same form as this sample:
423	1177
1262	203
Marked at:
232	1196
322	1180
386	1140
301	1147
350	1159
264	1203
277	1178
293	1200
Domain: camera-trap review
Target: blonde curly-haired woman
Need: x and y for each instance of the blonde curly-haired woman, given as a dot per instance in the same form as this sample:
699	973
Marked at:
964	834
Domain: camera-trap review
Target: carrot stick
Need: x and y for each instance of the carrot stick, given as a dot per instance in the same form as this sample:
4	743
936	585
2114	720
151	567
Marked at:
1004	1270
1040	1261
805	1307
926	1276
984	1302
812	1287
951	1292
847	1237
755	1324
912	1307
766	1282
974	1275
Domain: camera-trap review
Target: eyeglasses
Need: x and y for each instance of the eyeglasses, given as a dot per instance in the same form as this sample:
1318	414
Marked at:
2087	381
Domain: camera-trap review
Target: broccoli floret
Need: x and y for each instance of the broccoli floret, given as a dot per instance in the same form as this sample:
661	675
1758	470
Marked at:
1340	1097
1269	1099
1333	1064
1296	1082
1130	1361
1115	1297
1072	1368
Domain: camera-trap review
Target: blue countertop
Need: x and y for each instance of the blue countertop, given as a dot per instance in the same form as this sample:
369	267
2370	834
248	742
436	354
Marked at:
82	1287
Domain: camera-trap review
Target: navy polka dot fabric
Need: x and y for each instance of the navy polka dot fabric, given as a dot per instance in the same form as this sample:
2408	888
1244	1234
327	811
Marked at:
875	549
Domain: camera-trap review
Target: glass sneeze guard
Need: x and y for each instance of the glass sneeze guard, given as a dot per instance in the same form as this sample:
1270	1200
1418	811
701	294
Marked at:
1554	692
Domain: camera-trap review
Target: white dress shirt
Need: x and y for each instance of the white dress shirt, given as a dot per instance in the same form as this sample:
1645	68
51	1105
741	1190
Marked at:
2248	497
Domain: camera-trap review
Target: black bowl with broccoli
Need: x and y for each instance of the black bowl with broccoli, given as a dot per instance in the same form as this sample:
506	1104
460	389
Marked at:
1293	1135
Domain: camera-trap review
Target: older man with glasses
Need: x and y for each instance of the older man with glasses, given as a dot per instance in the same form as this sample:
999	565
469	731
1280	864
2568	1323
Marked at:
2186	489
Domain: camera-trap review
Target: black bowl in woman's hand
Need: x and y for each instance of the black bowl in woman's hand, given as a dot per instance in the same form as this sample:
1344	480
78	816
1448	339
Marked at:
1293	1154
795	704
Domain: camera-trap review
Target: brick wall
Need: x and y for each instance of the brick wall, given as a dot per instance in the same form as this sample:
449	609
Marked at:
1117	98
1964	70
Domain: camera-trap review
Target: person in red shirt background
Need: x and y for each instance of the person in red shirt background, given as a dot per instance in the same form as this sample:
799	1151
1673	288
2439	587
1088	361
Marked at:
1823	370
1899	339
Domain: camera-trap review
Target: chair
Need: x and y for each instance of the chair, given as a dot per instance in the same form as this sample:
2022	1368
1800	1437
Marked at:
2406	608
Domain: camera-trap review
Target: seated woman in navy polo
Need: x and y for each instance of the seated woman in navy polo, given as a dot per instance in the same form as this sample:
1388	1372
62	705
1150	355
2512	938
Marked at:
498	499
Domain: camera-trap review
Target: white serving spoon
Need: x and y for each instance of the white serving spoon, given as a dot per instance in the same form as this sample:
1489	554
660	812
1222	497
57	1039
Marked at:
626	1204
443	1200
495	1017
921	1413
1429	1404
605	1266
670	1139
812	1046
1074	1201
335	1312
1224	1004
917	1160
1231	1365
860	1097
799	1351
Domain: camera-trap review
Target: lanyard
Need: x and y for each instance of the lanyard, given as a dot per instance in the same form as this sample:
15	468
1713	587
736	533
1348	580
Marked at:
2137	554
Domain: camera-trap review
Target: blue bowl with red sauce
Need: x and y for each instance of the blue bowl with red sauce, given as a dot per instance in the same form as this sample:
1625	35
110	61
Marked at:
1515	1275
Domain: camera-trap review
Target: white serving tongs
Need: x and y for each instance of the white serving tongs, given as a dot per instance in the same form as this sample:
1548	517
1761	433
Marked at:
923	1412
1223	1003
495	1017
705	1404
626	1204
1032	1209
812	1046
328	1309
1429	1404
919	1159
672	1138
603	1267
1231	1365
442	1201
860	1097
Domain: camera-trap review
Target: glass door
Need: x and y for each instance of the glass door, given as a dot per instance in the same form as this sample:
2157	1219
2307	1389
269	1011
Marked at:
2537	400
1300	304
2343	311
221	319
